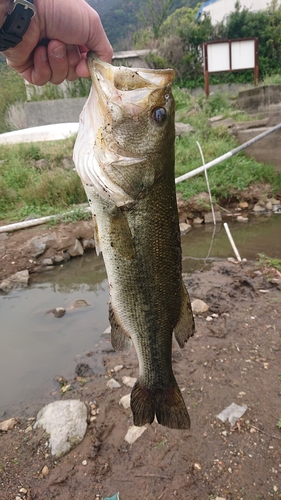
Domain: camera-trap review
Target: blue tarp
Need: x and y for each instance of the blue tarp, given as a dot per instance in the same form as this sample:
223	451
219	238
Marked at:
199	12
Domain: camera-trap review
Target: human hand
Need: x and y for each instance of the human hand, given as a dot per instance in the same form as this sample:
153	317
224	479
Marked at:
55	45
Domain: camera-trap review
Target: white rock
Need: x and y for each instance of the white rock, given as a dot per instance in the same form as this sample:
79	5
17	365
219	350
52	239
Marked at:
184	227
129	381
65	422
125	401
117	368
17	280
199	306
23	491
76	249
134	433
112	384
240	218
107	331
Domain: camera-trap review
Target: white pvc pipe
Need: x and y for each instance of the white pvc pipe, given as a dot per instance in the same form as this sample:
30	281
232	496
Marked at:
232	242
36	222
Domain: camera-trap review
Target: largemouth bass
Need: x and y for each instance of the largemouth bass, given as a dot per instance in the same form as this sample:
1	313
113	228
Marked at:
124	154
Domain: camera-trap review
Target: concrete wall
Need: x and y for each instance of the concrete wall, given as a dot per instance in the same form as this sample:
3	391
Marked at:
57	111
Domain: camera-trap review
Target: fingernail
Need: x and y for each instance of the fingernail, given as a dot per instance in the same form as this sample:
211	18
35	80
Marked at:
59	52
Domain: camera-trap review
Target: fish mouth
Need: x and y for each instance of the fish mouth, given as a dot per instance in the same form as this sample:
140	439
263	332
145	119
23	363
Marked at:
117	92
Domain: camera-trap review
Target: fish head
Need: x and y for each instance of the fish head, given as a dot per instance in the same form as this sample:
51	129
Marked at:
126	132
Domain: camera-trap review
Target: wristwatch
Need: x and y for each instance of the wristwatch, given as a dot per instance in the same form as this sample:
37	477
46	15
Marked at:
16	24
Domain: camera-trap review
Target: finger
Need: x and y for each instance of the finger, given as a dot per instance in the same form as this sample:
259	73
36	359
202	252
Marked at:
58	61
98	40
73	57
39	72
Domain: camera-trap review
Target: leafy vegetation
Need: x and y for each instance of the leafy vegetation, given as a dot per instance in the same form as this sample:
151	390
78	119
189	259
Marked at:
268	262
237	173
25	189
12	90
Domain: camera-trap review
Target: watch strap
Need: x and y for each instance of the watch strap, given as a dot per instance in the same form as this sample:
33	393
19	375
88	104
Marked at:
16	24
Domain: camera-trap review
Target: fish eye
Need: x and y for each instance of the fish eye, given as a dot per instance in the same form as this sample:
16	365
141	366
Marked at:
159	115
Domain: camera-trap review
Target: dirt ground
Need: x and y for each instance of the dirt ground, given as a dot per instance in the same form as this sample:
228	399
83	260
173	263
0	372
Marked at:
233	357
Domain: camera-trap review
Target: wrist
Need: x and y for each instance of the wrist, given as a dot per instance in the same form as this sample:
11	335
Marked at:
18	16
6	6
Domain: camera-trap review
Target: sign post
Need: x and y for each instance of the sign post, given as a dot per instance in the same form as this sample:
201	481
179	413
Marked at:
230	55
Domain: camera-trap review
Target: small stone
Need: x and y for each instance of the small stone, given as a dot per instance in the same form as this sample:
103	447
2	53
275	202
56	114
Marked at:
28	429
129	381
17	280
45	471
197	466
67	163
107	331
183	129
198	220
268	206
58	258
208	218
76	249
41	164
3	236
8	424
23	491
18	498
88	244
38	245
259	208
112	384
243	204
242	219
58	312
125	401
134	433
84	462
224	433
209	318
47	262
79	303
184	227
199	306
117	368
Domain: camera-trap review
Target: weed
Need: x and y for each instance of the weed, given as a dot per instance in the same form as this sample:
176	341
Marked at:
269	262
279	423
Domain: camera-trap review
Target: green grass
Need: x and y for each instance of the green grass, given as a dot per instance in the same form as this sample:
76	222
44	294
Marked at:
268	262
229	176
25	190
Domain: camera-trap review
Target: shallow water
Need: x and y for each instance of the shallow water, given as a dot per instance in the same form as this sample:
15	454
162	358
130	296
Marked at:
36	346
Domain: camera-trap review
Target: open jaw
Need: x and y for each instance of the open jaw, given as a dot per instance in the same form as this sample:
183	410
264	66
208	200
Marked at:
118	93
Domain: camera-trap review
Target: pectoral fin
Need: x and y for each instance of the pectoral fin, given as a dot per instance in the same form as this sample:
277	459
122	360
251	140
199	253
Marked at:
185	326
120	340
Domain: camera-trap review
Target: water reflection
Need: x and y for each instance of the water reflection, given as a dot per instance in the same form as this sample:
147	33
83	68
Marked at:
36	346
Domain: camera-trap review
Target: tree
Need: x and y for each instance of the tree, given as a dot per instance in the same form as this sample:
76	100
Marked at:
153	14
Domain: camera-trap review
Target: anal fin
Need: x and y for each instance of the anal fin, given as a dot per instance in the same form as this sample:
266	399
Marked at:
185	326
120	340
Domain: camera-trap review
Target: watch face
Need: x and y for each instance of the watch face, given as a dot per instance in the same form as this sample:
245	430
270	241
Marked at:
16	24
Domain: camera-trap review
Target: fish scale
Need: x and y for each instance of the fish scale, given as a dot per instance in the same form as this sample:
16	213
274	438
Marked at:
133	201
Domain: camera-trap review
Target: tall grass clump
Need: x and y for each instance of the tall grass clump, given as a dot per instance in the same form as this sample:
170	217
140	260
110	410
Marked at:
25	189
232	175
12	90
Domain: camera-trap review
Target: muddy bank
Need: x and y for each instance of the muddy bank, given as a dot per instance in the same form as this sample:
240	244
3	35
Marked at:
233	357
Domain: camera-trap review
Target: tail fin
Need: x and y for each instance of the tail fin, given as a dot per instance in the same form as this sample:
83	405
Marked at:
168	406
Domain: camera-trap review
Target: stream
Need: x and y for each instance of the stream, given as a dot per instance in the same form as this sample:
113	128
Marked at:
36	346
